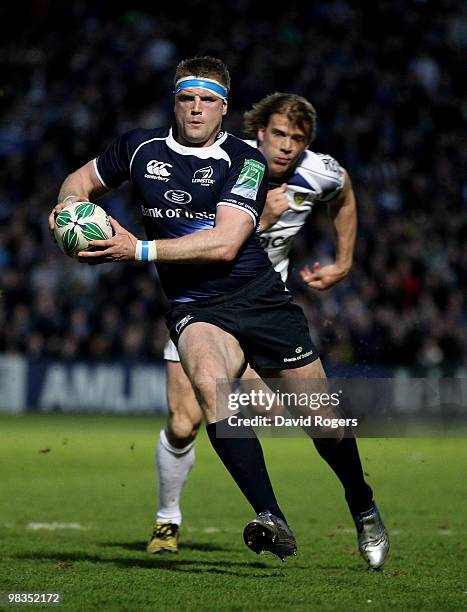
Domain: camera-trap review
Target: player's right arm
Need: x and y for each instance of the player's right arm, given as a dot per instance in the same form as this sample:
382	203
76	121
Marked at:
79	186
238	211
218	244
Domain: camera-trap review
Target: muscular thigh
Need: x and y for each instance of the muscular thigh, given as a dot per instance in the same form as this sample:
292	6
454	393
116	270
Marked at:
209	354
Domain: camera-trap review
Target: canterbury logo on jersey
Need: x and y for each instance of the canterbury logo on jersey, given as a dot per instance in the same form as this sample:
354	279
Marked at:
158	170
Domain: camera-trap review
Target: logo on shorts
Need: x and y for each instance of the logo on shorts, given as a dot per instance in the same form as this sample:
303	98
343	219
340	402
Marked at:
300	355
203	176
178	196
249	179
181	324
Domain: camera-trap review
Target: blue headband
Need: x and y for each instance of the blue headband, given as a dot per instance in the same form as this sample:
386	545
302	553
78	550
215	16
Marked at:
213	86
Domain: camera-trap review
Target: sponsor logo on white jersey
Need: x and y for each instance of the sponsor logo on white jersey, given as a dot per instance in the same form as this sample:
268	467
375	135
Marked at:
203	176
158	170
273	241
331	164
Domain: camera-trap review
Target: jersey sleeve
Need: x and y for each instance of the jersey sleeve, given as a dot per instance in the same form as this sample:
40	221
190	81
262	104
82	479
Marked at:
331	177
113	166
247	184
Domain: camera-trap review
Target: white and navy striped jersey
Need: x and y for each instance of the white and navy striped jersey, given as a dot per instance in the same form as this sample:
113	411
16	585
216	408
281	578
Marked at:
316	178
179	189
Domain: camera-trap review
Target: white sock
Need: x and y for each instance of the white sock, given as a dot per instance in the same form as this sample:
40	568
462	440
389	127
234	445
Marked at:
173	467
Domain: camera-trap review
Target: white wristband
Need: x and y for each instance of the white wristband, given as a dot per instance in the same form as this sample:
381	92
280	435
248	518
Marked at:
68	197
146	250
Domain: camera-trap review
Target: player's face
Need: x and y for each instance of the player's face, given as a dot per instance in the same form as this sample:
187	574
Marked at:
198	115
281	142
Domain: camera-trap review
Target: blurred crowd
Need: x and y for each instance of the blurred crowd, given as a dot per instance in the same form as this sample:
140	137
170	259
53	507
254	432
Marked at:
387	81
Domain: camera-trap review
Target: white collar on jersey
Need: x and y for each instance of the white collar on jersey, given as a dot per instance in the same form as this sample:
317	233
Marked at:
214	151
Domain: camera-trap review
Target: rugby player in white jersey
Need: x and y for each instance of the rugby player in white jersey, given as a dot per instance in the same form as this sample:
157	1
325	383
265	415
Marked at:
283	126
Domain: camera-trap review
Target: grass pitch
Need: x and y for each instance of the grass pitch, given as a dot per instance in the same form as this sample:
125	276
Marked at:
77	502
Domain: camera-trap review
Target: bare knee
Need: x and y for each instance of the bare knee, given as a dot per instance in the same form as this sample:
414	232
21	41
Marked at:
184	418
181	429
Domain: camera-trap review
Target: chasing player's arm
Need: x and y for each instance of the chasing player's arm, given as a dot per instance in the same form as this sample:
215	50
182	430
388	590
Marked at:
343	213
78	186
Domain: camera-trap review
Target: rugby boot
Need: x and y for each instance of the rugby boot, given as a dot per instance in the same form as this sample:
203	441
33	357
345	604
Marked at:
267	532
372	537
164	538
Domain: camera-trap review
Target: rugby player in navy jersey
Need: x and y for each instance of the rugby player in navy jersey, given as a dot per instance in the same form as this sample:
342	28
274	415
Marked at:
283	126
201	193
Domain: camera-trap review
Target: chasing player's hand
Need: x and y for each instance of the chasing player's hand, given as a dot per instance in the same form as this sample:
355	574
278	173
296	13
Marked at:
121	247
276	204
322	277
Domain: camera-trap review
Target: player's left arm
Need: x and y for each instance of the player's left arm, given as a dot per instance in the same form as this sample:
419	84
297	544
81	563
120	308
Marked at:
343	213
219	244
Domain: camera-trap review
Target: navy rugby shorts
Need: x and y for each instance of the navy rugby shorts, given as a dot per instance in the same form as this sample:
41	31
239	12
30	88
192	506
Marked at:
271	329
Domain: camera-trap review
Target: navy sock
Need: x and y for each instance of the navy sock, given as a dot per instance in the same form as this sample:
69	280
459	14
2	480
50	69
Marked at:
243	456
343	458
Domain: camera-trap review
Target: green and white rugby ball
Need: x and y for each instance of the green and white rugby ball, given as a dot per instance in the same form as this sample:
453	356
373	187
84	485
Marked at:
78	223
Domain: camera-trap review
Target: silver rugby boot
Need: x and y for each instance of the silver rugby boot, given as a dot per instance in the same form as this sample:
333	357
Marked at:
373	539
267	532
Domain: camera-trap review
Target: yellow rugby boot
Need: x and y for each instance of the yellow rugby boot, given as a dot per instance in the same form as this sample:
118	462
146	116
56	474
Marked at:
164	538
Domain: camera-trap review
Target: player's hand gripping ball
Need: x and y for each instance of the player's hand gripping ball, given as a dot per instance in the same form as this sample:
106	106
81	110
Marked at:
79	222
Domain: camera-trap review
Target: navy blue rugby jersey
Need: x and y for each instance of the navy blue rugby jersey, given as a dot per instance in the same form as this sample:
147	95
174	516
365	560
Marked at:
179	189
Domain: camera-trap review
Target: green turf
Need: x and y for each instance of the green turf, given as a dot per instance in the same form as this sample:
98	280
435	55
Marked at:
98	472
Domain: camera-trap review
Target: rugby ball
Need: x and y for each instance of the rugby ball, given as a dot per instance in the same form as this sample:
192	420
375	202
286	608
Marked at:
78	223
